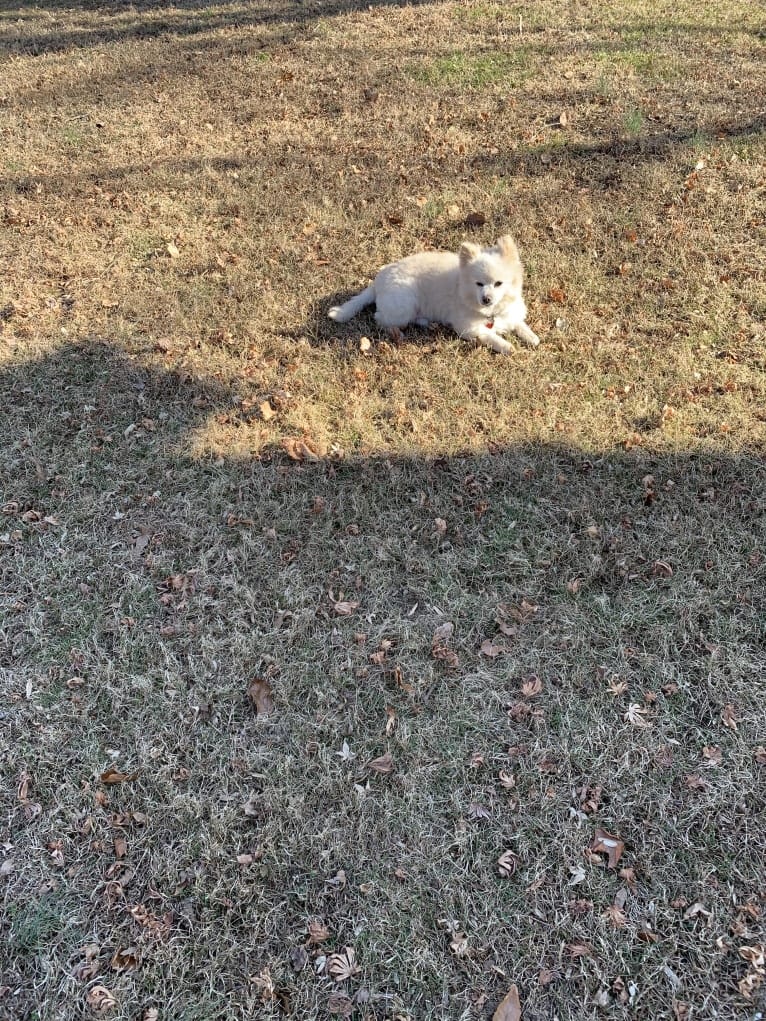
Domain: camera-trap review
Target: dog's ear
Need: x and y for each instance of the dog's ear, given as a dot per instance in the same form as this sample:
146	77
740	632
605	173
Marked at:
507	247
467	252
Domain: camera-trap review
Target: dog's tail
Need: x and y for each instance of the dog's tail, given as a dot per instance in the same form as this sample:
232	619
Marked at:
342	313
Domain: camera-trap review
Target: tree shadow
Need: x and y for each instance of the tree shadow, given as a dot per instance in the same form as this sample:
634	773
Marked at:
123	21
141	584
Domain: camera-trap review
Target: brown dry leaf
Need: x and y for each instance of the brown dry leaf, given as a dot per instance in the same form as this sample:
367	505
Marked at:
339	1003
695	782
439	647
120	846
563	119
531	687
556	294
112	775
760	755
713	754
87	969
22	790
440	526
260	694
607	843
390	720
172	250
488	648
459	943
100	999
509	1008
507	780
384	764
628	875
302	449
507	864
615	916
729	717
318	932
125	960
345	607
151	1014
266	410
754	955
342	966
576	950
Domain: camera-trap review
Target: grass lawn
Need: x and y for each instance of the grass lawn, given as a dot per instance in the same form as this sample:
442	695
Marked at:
367	680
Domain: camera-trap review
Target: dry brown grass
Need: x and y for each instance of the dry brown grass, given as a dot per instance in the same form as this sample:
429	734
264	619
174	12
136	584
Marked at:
601	496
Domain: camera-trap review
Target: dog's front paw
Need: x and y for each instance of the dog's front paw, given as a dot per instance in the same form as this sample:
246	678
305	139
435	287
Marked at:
333	312
526	335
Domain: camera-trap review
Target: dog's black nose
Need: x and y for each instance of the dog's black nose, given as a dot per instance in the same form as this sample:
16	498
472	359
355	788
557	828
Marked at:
486	300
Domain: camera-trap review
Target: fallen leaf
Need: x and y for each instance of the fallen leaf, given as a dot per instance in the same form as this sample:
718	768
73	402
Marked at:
172	250
507	864
7	867
459	944
120	846
576	950
695	782
344	607
384	764
615	916
318	932
298	958
628	875
556	294
696	910
509	1008
439	647
112	775
729	717
260	694
266	410
531	687
713	754
100	999
342	966
488	648
301	449
125	960
507	780
477	811
636	715
606	843
390	720
339	1003
760	755
245	859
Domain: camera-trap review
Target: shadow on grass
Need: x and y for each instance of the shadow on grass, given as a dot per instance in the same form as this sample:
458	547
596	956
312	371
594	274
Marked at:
118	22
141	587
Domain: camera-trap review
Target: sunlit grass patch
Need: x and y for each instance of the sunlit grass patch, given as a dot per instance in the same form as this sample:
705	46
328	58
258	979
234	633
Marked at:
478	70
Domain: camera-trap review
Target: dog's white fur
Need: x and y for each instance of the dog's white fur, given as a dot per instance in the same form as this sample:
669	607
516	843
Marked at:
476	291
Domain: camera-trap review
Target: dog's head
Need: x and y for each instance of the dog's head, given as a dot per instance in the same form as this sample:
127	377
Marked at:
490	277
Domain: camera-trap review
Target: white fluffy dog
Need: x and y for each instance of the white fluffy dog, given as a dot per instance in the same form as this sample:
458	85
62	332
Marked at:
476	291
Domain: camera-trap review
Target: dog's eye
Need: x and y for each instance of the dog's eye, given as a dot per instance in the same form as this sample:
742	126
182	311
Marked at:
498	283
479	283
